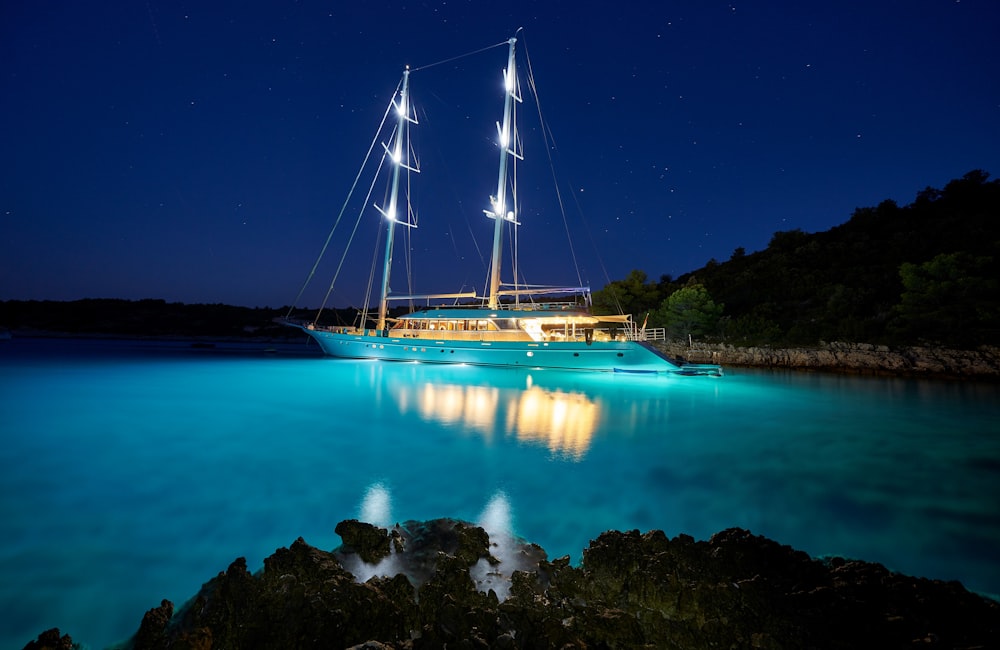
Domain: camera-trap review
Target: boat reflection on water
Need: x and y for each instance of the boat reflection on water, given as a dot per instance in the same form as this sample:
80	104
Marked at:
565	422
562	420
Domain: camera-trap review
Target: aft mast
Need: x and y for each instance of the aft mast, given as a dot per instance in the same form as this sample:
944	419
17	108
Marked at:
389	212
499	212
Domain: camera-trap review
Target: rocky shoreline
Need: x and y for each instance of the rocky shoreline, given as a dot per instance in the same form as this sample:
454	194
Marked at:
860	358
447	583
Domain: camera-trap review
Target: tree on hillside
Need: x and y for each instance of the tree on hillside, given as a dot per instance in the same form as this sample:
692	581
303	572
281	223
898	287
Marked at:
633	295
953	299
751	329
689	311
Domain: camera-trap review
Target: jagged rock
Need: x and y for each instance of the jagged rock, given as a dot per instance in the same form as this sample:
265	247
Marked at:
369	542
152	630
50	640
630	590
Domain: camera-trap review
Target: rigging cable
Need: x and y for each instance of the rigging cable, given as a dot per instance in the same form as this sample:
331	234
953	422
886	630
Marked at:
460	56
343	208
549	139
549	145
343	256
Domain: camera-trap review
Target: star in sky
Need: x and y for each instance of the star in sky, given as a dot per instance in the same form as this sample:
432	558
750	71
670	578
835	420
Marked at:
200	153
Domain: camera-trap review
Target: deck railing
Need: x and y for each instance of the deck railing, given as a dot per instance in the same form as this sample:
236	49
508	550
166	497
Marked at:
656	334
646	334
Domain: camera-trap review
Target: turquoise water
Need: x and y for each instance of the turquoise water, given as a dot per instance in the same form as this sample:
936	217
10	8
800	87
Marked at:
132	472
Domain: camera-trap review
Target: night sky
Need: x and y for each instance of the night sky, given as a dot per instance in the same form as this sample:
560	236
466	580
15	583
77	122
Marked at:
200	151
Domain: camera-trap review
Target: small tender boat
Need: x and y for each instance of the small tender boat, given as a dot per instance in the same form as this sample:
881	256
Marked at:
512	325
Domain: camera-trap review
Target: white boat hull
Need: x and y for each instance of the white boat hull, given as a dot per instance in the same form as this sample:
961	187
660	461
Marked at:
607	356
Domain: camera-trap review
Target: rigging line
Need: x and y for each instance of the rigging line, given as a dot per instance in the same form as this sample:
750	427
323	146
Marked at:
472	236
363	314
443	161
600	260
454	243
549	137
549	141
350	240
460	56
343	208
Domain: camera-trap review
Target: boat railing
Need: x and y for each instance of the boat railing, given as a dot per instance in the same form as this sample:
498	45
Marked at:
546	306
636	333
655	334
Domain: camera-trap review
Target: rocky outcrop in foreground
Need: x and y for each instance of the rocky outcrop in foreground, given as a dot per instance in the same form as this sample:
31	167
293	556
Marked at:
983	363
735	590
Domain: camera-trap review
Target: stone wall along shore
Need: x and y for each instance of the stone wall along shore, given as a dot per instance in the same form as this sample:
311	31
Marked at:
862	358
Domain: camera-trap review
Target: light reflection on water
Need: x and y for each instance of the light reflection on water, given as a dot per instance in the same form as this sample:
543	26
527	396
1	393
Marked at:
133	472
563	421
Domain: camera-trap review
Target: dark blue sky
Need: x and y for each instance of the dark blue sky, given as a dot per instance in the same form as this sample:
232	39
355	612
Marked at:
200	151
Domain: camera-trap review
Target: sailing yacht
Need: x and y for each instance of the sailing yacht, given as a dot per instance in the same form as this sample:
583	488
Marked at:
512	325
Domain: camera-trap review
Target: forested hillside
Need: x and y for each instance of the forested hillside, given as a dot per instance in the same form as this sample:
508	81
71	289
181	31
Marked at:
926	273
151	318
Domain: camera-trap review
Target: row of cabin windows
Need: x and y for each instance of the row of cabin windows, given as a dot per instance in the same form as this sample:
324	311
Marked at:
451	325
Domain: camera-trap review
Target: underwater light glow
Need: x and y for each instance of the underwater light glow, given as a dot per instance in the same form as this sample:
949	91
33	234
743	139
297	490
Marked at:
376	507
497	521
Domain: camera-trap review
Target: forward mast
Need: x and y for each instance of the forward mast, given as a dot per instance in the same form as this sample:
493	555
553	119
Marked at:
395	154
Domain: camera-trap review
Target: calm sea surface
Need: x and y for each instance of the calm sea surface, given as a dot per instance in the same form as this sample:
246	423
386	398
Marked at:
134	471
